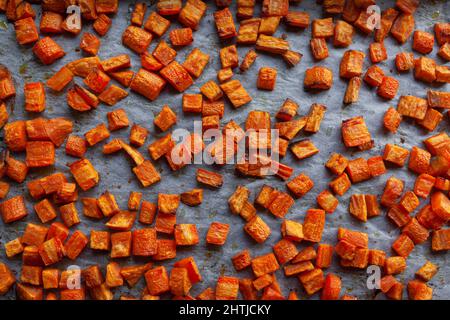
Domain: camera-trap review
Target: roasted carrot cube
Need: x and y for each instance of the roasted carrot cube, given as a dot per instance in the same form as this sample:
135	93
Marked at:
377	52
318	78
192	13
395	265
75	245
51	22
186	235
85	174
26	31
34	235
136	39
351	64
425	69
13	209
156	24
343	34
403	245
312	281
144	242
388	88
157	280
47	50
121	244
427	271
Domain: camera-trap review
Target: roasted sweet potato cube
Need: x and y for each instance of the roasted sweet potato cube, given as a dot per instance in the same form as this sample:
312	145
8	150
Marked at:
280	204
423	185
345	249
209	178
440	240
324	255
298	19
337	163
89	43
217	233
97	80
312	281
271	8
15	136
327	201
392	191
351	64
431	120
266	78
147	84
121	244
45	211
196	62
300	185
179	282
419	290
26	31
304	149
31	275
441	205
363	21
425	69
398	215
92	276
285	250
355	132
257	229
374	76
50	278
376	166
156	24
166	249
224	75
262	282
403	245
241	260
377	52
318	78
181	37
122	221
15	169
76	146
236	93
97	134
75	244
146	173
313	225
60	79
91	208
51	22
343	34
100	240
442	74
52	251
248	31
40	154
403	27
423	42
157	280
392	119
264	264
186	235
177	76
15	247
85	174
404	61
165	223
419	160
395	154
415	231
323	28
352	91
441	31
34	97
48	51
225	24
358	207
13	209
227	288
358	170
341	184
388	88
4	189
66	194
427	271
414	107
137	16
248	60
136	39
192	13
144	242
272	44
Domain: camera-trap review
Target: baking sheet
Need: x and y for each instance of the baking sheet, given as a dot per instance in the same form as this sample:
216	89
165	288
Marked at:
117	177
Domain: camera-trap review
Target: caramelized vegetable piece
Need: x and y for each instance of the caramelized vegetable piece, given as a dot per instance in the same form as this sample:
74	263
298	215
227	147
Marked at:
26	31
137	16
403	27
51	22
248	60
192	13
156	24
355	132
147	84
136	39
298	19
196	62
85	174
48	51
351	64
318	78
272	44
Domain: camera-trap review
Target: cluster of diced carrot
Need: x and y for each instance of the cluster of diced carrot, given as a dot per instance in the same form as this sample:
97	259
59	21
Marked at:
44	245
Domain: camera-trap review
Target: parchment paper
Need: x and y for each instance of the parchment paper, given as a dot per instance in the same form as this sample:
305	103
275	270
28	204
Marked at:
117	177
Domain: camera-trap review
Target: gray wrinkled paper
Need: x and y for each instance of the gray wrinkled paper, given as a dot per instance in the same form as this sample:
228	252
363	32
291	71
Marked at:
117	177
